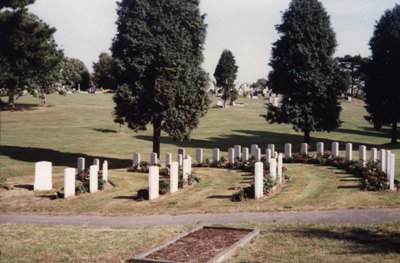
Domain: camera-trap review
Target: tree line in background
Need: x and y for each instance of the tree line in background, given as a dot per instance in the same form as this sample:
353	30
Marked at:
155	67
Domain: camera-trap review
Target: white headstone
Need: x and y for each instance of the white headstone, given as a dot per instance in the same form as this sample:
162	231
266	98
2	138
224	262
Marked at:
349	152
69	182
253	148
186	169
215	156
272	168
97	163
388	163
231	155
189	163
154	178
257	155
81	164
288	150
245	154
153	159
136	159
105	171
335	149
271	147
304	148
320	148
280	168
168	159
258	180
382	159
199	155
392	171
374	155
94	178
268	155
174	172
362	154
43	176
238	151
180	160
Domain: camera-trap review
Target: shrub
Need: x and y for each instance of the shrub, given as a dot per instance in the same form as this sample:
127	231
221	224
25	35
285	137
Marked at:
82	182
142	167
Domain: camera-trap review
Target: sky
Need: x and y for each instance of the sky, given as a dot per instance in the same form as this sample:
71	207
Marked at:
246	27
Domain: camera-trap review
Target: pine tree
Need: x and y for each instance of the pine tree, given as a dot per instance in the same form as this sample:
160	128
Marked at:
158	52
225	75
382	85
304	71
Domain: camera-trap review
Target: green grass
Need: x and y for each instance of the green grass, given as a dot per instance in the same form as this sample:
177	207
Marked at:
275	243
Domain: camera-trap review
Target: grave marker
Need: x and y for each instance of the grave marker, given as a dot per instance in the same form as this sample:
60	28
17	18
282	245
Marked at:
154	178
288	150
271	147
245	154
215	156
168	159
374	155
97	163
174	172
382	158
272	168
280	168
238	151
136	159
258	180
253	148
105	171
93	178
320	148
43	176
304	148
81	164
199	155
335	149
69	182
153	159
180	160
392	171
231	155
349	152
362	154
257	155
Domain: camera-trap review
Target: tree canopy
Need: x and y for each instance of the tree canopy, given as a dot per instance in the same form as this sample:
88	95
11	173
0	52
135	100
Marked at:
29	57
103	75
382	85
158	52
355	67
225	75
304	71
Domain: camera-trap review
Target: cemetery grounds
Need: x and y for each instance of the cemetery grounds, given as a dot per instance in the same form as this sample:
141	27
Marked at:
81	125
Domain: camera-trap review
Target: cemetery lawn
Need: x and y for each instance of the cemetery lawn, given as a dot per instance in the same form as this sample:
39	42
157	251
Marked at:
284	243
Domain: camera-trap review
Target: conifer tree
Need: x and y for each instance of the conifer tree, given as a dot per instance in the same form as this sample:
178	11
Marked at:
225	75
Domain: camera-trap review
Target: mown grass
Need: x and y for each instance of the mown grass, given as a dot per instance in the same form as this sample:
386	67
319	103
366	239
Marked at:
275	243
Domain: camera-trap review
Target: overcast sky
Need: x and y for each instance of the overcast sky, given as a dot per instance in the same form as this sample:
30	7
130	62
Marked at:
246	27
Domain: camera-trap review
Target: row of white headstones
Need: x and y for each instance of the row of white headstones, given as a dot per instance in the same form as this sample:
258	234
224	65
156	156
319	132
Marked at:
44	176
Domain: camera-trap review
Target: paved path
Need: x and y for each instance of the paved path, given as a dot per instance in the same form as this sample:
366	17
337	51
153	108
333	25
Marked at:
340	216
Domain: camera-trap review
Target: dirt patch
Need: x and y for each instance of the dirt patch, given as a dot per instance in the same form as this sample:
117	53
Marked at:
201	245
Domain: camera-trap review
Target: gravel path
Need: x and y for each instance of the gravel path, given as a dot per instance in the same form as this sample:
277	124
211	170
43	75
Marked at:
340	216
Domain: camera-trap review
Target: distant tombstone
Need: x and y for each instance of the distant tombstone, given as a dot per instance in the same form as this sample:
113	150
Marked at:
245	154
43	176
190	163
215	156
349	152
388	162
268	155
374	155
320	148
93	178
97	163
288	150
174	172
275	102
272	168
180	160
257	155
154	177
153	159
348	98
335	149
168	159
199	155
271	147
258	180
136	159
382	159
362	154
238	151
280	168
304	148
81	164
253	148
105	171
392	171
181	151
69	182
231	155
186	169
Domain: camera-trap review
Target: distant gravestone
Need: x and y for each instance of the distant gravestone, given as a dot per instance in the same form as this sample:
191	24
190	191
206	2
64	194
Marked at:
81	164
268	155
97	163
93	178
349	152
388	163
168	159
154	178
105	171
174	172
69	182
258	180
215	156
280	168
382	159
238	151
43	176
320	148
199	155
181	151
153	159
253	148
186	169
271	147
335	149
374	155
136	159
288	150
180	160
245	154
272	168
231	155
304	148
257	155
392	171
362	154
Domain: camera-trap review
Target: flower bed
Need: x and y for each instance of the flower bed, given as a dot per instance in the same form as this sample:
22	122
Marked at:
82	182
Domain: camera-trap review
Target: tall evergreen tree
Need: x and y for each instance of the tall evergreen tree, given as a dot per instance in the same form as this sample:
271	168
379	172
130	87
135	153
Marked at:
304	71
158	52
382	86
103	75
225	75
29	57
355	67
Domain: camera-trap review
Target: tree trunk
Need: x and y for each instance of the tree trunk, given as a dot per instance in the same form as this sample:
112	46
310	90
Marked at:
394	132
156	136
306	134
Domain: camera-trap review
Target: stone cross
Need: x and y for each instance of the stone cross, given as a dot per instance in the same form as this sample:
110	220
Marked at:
105	171
199	156
43	176
238	151
272	168
258	180
174	172
335	149
382	158
231	155
320	148
93	178
154	177
245	154
69	182
288	150
81	164
349	152
215	156
136	159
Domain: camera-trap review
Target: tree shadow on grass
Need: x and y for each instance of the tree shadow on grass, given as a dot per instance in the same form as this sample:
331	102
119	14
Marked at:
20	107
31	154
104	130
359	240
28	187
219	197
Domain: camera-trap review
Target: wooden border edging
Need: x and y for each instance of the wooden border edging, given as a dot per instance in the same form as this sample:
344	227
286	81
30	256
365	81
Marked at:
141	258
